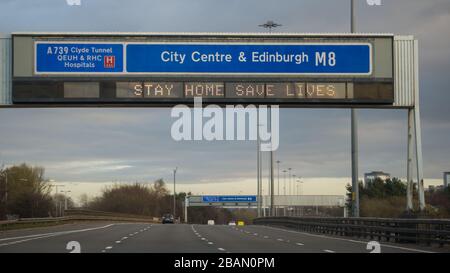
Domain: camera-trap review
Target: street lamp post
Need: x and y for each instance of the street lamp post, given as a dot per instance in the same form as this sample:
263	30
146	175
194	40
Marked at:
65	198
284	191
174	192
278	177
270	25
259	168
65	201
290	187
56	196
299	192
294	176
278	184
290	182
354	135
294	193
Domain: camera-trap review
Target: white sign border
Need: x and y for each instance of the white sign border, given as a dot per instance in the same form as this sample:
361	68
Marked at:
162	74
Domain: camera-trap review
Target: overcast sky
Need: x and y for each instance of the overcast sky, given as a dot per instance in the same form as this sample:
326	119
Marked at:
104	145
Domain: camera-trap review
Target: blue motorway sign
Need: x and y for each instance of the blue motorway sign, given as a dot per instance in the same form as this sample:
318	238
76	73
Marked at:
191	58
315	59
78	57
229	199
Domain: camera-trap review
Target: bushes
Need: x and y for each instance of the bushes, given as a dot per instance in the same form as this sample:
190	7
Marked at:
389	207
136	199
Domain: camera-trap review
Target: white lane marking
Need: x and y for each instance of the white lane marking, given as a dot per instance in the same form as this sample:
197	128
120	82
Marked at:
124	238
256	234
203	239
281	240
118	242
53	233
210	243
266	237
108	247
328	251
221	249
348	240
103	251
47	235
300	244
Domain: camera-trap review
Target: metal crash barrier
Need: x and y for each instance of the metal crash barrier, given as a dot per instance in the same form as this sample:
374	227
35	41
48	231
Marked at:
418	231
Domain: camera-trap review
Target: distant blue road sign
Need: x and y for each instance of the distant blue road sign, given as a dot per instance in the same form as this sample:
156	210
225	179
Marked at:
229	199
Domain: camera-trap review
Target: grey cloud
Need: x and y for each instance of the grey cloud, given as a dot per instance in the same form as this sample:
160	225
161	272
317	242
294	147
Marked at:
133	144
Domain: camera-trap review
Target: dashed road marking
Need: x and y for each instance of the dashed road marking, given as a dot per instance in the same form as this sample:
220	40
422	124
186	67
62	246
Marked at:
328	251
118	242
299	244
221	249
348	240
108	247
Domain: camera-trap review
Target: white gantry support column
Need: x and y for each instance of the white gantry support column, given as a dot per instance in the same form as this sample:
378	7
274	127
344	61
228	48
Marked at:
418	129
409	189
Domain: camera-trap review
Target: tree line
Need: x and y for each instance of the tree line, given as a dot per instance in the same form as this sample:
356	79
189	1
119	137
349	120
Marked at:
155	200
387	199
25	193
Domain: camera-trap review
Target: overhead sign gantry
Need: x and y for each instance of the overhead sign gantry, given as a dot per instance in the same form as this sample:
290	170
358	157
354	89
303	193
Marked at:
288	70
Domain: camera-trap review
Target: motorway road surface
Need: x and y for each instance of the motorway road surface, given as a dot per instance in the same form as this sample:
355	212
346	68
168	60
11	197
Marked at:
180	238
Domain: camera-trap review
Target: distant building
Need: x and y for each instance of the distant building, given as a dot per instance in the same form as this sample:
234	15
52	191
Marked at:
446	179
372	176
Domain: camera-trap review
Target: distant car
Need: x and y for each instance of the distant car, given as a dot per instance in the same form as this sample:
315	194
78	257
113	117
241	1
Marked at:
232	223
167	219
211	222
